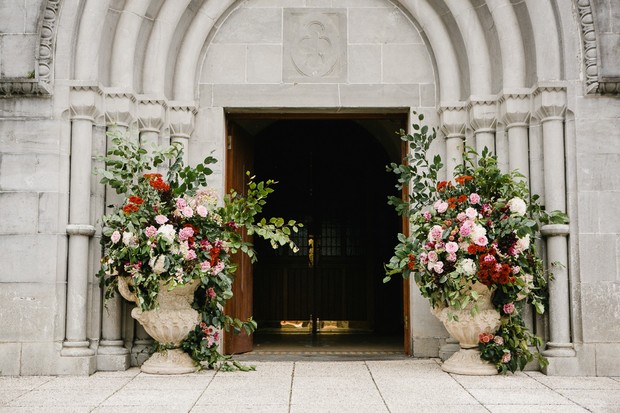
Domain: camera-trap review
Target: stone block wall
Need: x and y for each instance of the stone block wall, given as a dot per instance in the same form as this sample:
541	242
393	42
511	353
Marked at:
598	197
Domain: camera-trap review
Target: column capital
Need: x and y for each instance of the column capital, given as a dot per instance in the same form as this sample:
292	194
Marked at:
152	113
515	107
182	119
453	120
120	107
85	102
482	114
550	102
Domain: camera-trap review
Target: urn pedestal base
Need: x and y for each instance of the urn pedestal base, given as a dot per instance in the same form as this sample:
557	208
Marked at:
173	361
467	361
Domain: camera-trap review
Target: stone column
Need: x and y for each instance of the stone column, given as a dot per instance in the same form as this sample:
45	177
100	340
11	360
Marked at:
182	125
112	355
515	113
550	106
152	115
84	107
151	118
483	119
453	120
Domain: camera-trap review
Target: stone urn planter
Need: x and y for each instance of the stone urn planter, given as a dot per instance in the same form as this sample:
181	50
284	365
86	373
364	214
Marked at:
467	329
169	324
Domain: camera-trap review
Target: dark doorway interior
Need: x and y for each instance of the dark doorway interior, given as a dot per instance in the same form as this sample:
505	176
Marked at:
331	177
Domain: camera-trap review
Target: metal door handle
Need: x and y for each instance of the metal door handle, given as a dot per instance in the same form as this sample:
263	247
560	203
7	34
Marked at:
310	251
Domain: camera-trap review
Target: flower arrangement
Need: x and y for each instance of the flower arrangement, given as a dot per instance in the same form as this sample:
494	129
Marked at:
175	229
480	228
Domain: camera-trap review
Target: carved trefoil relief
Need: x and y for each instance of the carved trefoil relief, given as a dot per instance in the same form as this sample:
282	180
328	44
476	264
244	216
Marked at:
315	46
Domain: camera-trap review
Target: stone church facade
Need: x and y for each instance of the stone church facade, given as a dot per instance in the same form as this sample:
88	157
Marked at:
536	81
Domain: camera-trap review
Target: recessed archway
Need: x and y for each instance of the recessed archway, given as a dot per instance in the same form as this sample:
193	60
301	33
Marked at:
331	177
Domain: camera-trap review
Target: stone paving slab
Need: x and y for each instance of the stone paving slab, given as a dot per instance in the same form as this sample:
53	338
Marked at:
357	386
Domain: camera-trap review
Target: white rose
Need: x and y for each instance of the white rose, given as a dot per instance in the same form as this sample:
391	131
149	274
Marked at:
478	231
130	239
468	266
517	206
523	243
167	232
158	264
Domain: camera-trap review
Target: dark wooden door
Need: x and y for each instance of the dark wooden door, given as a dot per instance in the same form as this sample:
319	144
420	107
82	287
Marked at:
239	159
328	173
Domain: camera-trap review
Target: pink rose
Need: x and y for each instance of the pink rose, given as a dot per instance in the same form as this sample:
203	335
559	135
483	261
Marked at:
187	212
443	206
211	293
471	213
181	203
461	216
201	210
427	215
451	257
481	241
509	308
506	357
115	237
438	267
498	340
161	219
150	231
432	256
474	198
205	266
452	247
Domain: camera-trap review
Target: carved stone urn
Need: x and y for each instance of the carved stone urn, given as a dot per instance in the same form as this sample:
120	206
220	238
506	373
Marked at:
169	324
467	329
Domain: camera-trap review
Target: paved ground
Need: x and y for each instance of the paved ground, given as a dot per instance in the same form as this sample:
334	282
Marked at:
404	385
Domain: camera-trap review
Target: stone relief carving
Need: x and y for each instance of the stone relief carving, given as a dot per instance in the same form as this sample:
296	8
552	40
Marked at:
42	79
594	84
314	45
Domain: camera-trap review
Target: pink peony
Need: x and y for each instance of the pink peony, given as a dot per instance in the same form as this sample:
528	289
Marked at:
187	212
150	231
181	203
186	233
474	198
218	267
115	237
461	216
161	219
191	255
427	215
451	257
435	233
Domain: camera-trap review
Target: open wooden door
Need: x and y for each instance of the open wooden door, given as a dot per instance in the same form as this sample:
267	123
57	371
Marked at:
239	159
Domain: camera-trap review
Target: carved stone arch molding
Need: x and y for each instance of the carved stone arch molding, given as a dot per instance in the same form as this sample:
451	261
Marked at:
40	83
600	45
